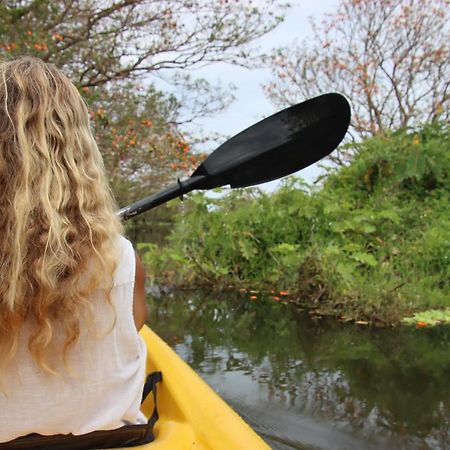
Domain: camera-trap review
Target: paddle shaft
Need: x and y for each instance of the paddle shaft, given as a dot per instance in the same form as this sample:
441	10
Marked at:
174	190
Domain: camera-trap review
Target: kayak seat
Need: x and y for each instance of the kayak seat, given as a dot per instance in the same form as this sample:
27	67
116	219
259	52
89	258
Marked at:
126	436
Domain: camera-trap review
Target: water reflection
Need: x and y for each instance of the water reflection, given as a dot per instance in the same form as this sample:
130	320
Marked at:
311	384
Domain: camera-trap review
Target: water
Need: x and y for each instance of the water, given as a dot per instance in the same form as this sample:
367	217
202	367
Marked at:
305	383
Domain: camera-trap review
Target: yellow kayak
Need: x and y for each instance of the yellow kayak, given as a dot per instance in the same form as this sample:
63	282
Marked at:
191	414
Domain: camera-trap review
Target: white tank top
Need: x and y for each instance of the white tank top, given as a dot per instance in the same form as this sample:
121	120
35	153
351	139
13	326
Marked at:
104	389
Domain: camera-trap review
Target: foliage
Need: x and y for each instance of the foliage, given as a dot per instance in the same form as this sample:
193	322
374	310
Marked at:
428	318
100	42
141	144
373	243
120	53
391	58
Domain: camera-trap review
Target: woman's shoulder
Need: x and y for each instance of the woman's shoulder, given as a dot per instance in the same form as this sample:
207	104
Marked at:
123	243
126	261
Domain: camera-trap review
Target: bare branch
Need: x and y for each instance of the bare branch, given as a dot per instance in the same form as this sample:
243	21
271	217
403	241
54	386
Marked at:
390	58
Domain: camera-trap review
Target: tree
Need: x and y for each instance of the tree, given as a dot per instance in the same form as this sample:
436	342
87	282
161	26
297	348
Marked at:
112	48
141	144
391	58
99	42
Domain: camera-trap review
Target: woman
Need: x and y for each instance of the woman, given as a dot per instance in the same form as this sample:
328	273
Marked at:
71	289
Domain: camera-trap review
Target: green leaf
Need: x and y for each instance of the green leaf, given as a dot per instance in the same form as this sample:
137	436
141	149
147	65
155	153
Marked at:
364	258
247	249
340	227
351	247
285	248
389	214
367	228
331	208
346	270
332	250
416	164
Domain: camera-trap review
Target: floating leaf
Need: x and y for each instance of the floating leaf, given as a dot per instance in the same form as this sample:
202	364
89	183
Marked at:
430	318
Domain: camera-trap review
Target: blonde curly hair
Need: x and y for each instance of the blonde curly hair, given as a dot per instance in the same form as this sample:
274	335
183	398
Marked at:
58	224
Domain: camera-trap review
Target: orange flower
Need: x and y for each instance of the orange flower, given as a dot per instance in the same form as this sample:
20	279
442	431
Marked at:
40	47
148	123
421	324
276	298
284	293
253	297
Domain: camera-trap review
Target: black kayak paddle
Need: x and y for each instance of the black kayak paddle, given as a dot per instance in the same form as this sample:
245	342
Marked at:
279	145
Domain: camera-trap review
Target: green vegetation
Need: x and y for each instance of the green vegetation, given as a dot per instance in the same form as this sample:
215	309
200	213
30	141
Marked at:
373	243
431	317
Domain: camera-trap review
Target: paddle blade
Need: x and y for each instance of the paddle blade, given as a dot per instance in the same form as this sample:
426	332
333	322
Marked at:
279	145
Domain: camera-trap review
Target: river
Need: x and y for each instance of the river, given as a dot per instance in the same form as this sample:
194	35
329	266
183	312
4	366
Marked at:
308	383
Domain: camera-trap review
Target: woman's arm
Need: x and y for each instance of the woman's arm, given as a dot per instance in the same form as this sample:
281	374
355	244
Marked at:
140	309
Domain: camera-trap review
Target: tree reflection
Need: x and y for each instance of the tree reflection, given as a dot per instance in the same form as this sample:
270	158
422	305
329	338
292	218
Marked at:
379	383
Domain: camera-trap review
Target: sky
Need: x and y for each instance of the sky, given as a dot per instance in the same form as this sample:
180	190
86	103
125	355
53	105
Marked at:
251	104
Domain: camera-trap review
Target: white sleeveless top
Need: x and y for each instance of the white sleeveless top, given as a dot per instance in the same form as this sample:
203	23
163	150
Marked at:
104	388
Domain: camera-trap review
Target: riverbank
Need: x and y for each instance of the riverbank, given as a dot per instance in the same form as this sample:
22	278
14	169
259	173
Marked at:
372	244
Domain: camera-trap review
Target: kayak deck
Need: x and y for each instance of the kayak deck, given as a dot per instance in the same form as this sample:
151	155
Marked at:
191	414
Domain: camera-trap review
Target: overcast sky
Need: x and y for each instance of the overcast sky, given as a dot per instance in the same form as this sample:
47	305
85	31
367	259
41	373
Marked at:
251	104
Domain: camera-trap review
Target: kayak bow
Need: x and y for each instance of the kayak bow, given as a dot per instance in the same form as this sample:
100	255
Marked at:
192	415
